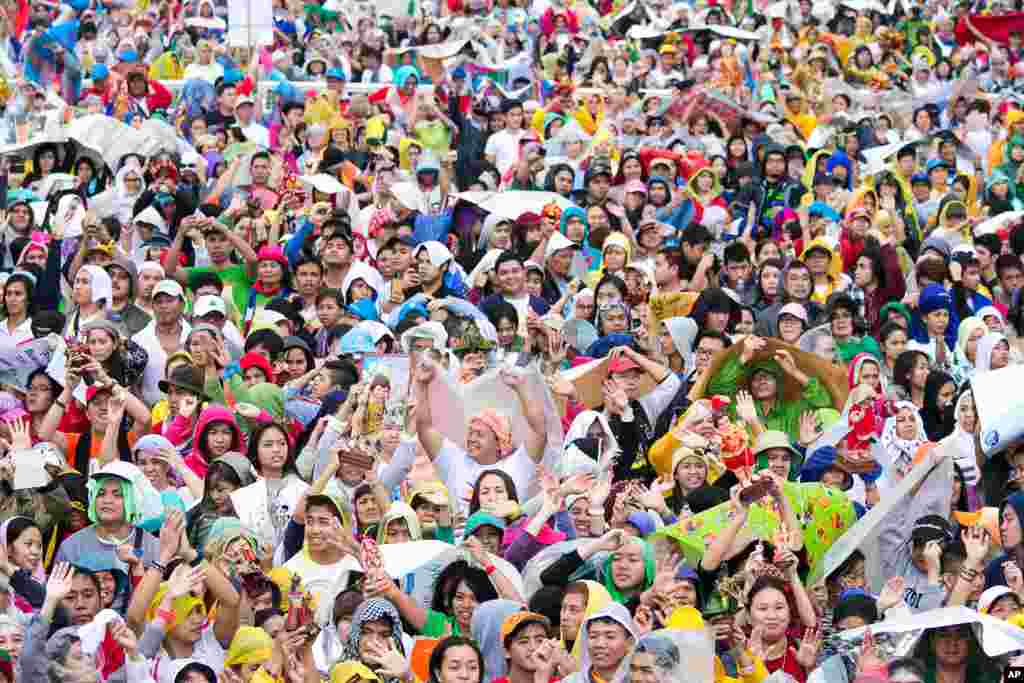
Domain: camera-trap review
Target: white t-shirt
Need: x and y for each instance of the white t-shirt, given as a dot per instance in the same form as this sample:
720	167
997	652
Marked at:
317	578
504	146
459	471
207	650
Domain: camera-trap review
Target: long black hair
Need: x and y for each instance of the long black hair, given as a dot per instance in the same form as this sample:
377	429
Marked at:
450	578
938	422
510	488
904	366
437	656
254	447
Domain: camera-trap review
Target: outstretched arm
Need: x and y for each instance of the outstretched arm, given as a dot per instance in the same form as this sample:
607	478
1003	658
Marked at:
533	411
428	435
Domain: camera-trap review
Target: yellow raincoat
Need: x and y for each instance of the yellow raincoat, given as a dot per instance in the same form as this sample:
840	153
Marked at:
597	599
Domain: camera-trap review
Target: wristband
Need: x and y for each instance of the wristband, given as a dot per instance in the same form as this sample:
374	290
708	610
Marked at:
156	565
490	569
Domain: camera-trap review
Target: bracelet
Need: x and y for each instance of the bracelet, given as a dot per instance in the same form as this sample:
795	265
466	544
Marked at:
968	574
490	569
167	616
156	565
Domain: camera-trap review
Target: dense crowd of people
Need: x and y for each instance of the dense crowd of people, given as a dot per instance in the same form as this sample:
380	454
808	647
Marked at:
485	341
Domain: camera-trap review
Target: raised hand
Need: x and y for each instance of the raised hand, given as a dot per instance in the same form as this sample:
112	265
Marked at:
808	428
807	655
615	399
390	663
21	439
124	637
578	483
170	535
745	408
977	542
59	584
892	593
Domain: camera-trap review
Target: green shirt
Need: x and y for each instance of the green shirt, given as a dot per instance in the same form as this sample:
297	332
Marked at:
784	415
235	275
437	625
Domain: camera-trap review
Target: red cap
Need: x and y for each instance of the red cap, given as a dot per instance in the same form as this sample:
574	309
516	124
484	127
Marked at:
528	218
90	393
622	364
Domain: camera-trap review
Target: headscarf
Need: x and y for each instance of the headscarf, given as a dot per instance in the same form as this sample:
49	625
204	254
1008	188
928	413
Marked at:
250	645
373	609
650	568
99	281
500	425
485	629
857	365
986	345
225	531
181	607
967	327
40	571
579	429
900	451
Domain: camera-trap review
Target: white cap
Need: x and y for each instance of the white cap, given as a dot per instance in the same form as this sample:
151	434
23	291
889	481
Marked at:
990	596
169	287
244	100
209	303
436	252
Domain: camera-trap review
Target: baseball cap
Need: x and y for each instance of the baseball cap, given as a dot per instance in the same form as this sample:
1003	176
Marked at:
92	391
622	364
244	100
99	72
169	287
991	596
209	303
796	310
931	528
518	620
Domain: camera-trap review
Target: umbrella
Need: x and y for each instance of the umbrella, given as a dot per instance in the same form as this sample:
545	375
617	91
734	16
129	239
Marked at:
898	637
163	137
424	577
109	138
77	149
726	32
514	204
824	513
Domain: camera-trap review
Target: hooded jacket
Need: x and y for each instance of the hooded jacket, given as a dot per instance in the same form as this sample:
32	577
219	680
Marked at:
615	612
199	460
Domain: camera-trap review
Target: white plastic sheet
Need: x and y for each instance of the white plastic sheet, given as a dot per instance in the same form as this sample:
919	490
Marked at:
999	407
